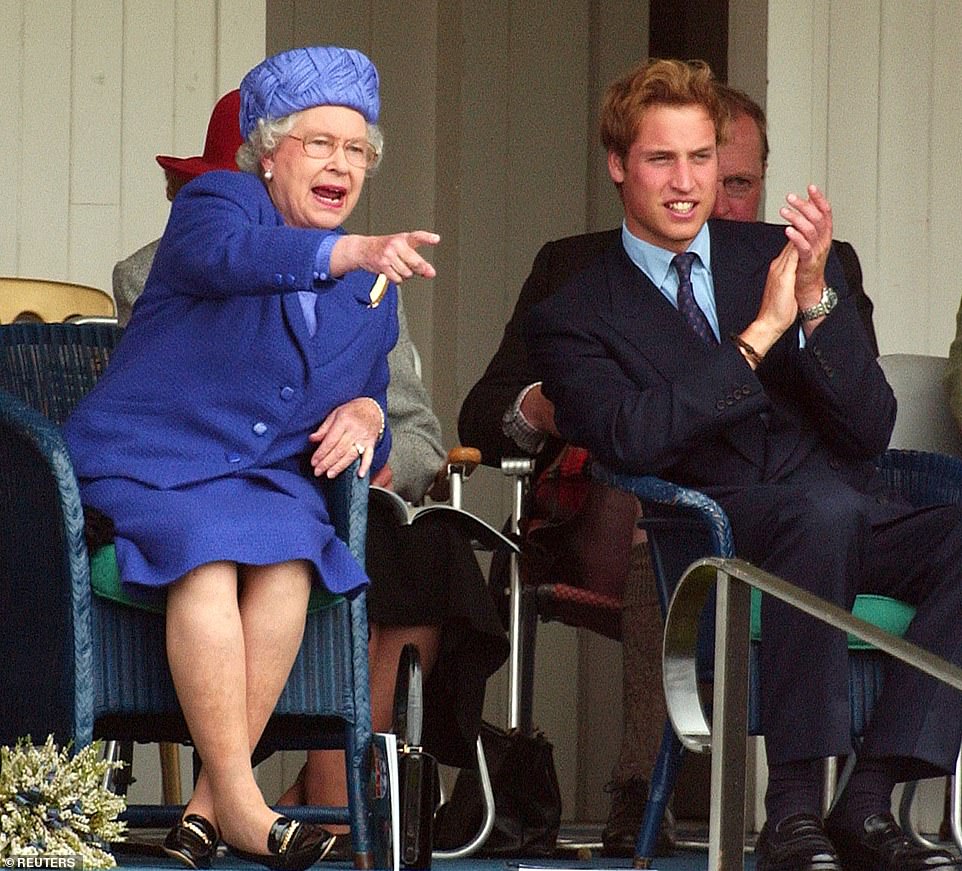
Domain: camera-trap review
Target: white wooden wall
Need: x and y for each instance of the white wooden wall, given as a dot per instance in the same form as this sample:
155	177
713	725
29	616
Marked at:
91	91
864	98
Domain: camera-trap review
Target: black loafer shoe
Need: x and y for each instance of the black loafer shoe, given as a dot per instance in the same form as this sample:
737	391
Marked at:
291	846
883	846
797	843
192	841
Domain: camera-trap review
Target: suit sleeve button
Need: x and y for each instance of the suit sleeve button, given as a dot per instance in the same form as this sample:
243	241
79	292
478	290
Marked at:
287	393
260	428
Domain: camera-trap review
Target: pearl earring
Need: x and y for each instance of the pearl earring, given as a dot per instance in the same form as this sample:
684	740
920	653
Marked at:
268	175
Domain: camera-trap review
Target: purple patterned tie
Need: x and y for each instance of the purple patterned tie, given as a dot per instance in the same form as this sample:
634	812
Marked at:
686	299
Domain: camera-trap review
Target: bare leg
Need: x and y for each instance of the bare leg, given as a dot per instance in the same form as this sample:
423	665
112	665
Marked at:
228	678
322	781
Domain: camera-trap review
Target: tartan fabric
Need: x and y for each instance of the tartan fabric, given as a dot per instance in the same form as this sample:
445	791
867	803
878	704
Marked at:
577	531
560	491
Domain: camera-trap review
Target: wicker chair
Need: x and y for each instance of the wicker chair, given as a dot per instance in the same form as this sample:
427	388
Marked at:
83	667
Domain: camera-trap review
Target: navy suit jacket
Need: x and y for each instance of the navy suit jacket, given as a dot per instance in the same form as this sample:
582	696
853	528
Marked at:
632	383
511	369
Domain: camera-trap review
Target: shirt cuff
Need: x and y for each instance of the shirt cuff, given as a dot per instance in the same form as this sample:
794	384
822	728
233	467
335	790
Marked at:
322	258
517	427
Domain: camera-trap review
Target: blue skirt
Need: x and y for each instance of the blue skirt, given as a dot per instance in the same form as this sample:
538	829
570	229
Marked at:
254	517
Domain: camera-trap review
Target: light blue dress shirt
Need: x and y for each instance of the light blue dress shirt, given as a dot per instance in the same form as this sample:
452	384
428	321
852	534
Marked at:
656	264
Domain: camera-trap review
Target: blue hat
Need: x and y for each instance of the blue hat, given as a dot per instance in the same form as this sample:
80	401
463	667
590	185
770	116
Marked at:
305	77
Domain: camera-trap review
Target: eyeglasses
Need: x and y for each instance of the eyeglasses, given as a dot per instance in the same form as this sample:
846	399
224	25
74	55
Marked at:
739	186
357	152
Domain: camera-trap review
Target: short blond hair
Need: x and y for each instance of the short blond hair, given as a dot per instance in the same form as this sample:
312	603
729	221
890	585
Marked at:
657	82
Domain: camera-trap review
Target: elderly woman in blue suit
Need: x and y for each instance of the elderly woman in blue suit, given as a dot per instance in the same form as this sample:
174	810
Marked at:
255	358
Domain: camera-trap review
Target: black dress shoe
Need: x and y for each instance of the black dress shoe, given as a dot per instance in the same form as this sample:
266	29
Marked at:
291	846
883	846
797	843
192	841
620	834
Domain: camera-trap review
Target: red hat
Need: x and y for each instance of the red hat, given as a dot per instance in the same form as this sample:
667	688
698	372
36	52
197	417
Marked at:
223	140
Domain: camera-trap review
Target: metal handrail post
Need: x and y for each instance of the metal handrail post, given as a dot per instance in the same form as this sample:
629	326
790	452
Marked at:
726	817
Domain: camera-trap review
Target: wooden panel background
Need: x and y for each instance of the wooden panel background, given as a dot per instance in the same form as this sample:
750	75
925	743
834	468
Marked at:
863	99
96	89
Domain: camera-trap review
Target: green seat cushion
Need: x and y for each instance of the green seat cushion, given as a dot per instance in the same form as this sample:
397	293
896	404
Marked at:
888	614
105	580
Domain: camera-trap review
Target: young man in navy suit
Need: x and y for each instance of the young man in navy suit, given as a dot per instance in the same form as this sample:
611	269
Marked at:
730	357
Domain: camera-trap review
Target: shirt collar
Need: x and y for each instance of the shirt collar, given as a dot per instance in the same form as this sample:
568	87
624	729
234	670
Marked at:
655	262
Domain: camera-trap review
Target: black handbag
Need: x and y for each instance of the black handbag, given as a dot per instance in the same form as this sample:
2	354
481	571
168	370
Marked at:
417	770
526	796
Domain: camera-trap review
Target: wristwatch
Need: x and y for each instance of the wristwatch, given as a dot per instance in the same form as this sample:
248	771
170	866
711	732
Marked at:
822	307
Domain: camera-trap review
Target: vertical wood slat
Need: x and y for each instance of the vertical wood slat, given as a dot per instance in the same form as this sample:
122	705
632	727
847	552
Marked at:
853	106
239	40
45	166
95	166
945	186
147	121
904	117
11	98
195	76
793	32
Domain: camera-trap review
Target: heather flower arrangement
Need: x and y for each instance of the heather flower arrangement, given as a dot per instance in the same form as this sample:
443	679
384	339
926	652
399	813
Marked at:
55	804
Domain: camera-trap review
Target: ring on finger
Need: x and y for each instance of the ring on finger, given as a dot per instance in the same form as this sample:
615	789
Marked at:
359	448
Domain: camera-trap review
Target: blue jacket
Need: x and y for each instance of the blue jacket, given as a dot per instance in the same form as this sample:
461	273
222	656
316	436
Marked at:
216	371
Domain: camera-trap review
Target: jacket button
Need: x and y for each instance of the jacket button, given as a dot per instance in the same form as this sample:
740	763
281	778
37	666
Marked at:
259	428
287	393
720	405
278	279
233	458
291	280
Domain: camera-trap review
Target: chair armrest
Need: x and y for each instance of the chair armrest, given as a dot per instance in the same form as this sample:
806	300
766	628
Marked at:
46	577
682	525
655	493
922	477
347	506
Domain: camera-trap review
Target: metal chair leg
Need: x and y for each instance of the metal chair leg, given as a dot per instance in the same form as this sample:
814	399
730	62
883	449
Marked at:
170	785
955	804
488	823
829	782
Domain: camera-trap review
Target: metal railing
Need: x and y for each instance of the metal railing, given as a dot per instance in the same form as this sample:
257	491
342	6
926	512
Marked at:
726	738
